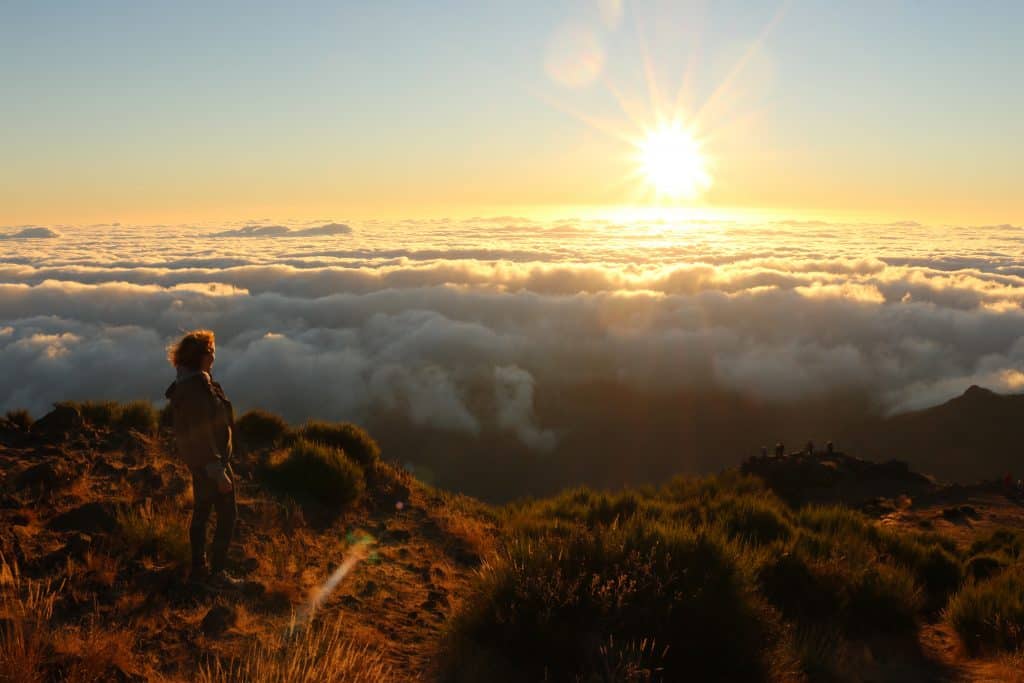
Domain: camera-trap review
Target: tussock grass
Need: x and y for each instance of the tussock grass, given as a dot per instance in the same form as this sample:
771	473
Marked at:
139	415
1007	544
26	608
314	472
989	616
159	531
20	418
352	439
319	654
33	648
259	428
722	574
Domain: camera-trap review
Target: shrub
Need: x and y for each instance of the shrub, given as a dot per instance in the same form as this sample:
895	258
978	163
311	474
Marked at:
1006	542
545	607
20	418
982	567
261	428
882	598
138	415
159	532
754	520
99	413
350	438
315	472
859	599
989	616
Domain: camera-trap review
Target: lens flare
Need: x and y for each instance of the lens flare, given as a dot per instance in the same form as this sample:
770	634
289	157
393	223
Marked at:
359	551
671	160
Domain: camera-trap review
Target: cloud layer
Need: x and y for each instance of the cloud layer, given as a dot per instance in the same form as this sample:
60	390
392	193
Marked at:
462	325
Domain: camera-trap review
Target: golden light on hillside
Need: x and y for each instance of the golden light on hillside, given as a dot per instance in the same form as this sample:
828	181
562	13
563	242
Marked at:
671	161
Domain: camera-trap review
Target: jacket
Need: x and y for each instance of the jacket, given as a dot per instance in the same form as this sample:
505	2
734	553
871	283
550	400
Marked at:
202	418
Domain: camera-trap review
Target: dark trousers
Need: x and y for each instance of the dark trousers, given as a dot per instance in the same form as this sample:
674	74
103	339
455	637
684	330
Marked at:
208	498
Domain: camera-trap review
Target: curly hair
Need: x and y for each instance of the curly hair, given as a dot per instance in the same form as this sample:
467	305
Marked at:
189	352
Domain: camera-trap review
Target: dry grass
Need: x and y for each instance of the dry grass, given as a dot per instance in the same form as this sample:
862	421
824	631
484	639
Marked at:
319	654
155	530
33	648
26	608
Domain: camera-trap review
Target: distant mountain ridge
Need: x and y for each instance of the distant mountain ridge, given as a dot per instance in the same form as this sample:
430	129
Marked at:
977	435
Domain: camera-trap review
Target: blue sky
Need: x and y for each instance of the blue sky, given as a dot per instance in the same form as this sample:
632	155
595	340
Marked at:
222	108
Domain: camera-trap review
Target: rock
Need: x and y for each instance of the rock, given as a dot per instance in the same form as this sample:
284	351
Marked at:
248	565
147	478
40	478
105	468
176	485
158	580
77	545
218	620
434	600
90	518
8	502
59	422
276	601
253	590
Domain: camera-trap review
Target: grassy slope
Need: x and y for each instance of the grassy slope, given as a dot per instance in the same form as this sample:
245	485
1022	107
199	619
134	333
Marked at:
714	578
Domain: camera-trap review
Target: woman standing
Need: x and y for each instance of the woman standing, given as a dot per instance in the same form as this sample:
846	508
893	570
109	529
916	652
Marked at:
203	420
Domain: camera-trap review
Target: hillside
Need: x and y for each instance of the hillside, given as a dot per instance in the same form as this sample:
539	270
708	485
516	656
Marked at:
972	437
730	577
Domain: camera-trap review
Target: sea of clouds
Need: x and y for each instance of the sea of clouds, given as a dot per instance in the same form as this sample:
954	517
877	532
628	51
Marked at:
423	317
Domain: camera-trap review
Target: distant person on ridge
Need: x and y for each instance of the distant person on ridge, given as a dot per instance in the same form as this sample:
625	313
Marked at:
203	421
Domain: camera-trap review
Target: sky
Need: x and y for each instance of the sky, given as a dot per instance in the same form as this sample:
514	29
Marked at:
227	111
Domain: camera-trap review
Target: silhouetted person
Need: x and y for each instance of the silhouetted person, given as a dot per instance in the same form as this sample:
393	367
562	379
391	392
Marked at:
780	450
830	448
203	421
810	448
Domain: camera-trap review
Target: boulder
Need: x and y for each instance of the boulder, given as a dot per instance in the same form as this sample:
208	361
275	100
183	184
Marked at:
77	545
39	478
218	620
59	422
89	518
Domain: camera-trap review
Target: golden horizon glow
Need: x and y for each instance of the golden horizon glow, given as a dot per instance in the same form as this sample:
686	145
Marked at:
672	162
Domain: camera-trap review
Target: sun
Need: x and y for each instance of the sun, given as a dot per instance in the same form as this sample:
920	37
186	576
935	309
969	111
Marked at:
671	160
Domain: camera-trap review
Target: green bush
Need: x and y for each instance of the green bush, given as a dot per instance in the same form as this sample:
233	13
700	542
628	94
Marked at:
258	428
99	413
158	532
141	416
20	419
1008	543
989	616
545	608
350	438
982	567
541	609
857	598
315	472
